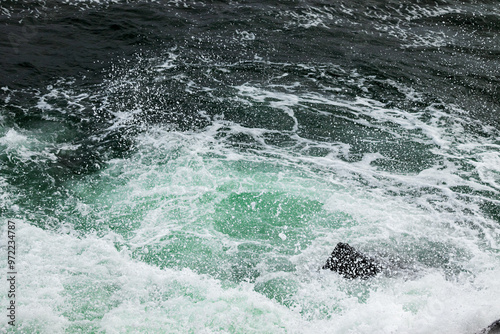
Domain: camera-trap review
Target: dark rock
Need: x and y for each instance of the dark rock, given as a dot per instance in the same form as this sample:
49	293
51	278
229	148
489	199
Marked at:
350	263
494	328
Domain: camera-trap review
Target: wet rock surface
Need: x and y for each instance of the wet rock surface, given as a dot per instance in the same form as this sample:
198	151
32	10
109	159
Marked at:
350	263
494	328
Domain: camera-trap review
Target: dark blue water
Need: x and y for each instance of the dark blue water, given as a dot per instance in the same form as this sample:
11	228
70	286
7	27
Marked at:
188	166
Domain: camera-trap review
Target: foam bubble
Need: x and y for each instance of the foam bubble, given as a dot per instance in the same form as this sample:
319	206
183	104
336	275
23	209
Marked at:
13	139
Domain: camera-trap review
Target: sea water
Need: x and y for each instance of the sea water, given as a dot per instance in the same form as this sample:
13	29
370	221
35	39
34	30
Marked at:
188	167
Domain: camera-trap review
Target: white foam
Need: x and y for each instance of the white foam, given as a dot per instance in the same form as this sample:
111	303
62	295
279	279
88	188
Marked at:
61	274
488	168
312	17
170	62
410	93
13	139
245	35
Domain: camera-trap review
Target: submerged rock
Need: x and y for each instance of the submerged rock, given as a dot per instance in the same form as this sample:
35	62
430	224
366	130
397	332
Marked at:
494	328
350	263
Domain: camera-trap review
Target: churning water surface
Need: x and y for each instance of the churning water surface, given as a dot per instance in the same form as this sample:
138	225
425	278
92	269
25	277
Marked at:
187	167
